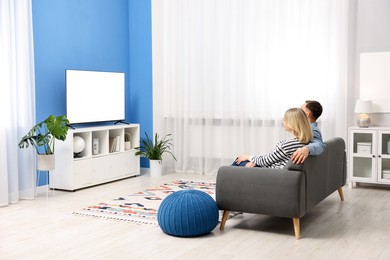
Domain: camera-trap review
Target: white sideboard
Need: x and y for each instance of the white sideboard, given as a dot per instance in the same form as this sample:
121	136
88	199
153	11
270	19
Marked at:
96	163
369	155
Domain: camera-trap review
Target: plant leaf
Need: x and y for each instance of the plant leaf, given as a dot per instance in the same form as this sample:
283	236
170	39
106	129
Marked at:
154	149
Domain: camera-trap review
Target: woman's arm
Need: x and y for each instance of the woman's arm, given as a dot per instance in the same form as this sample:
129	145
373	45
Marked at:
279	156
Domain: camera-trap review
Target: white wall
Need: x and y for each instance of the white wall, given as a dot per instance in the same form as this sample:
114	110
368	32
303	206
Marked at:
372	22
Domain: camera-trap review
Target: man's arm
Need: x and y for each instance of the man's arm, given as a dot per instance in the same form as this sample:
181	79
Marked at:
316	145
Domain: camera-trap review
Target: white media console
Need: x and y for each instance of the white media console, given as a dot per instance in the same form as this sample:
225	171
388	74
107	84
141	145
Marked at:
111	161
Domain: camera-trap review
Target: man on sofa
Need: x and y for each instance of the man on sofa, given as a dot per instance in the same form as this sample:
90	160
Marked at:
313	110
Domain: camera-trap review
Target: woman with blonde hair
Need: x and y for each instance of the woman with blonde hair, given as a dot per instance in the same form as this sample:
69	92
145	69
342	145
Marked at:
296	122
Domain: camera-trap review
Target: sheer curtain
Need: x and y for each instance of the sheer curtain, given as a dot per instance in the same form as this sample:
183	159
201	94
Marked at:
224	72
17	100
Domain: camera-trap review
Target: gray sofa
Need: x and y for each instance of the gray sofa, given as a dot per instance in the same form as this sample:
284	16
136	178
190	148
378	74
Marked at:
288	192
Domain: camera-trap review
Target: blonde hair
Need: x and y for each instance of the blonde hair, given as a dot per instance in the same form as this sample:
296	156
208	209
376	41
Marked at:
297	121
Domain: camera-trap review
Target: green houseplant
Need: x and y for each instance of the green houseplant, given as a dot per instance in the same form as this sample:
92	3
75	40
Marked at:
44	133
154	151
42	137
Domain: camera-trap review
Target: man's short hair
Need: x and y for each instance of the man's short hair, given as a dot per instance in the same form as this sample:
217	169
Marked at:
314	107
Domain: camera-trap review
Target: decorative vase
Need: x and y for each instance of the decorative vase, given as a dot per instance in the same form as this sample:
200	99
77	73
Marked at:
95	146
364	122
127	145
155	168
46	162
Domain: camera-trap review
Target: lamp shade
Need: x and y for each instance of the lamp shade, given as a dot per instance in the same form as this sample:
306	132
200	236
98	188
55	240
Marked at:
363	106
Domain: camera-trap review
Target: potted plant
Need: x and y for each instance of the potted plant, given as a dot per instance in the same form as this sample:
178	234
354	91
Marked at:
154	150
42	137
127	141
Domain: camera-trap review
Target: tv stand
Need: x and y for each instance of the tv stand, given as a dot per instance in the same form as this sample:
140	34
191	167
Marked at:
121	121
109	160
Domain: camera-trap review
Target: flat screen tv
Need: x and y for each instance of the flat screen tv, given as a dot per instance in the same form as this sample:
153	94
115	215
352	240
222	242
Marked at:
94	96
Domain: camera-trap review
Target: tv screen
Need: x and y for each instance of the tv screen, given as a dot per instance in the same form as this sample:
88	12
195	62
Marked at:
94	96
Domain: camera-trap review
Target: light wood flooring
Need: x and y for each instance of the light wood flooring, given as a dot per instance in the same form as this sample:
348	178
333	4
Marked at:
358	228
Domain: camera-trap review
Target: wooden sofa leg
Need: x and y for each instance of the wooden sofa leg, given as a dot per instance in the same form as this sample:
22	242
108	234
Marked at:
224	218
297	229
341	193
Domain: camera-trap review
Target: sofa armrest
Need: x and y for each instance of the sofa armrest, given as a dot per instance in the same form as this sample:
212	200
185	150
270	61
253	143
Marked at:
275	192
325	173
293	167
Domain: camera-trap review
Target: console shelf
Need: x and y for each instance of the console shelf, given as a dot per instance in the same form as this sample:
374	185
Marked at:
369	155
103	159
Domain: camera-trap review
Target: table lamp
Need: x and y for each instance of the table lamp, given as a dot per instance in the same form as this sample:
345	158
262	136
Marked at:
363	107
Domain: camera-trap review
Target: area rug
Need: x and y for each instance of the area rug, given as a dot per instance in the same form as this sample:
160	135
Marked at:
141	207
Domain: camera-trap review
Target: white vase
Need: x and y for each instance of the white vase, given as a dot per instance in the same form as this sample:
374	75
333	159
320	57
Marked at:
46	162
95	146
127	145
155	168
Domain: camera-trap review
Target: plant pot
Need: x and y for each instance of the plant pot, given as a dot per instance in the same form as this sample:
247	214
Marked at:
155	168
127	145
46	162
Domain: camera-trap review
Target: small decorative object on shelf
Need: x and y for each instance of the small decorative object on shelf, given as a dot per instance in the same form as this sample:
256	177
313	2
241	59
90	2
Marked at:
388	146
364	147
95	146
363	107
78	146
386	174
127	141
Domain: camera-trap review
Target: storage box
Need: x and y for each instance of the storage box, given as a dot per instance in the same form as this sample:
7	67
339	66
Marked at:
386	174
363	147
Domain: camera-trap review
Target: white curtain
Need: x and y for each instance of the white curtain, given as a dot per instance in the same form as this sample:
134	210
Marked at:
224	72
17	100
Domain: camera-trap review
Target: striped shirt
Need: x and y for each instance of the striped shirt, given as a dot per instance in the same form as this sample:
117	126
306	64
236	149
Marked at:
279	156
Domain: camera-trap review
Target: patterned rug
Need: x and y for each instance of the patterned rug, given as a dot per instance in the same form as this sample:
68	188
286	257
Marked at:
141	207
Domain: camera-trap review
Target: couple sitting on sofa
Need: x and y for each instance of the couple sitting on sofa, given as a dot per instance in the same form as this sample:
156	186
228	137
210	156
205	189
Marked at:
306	139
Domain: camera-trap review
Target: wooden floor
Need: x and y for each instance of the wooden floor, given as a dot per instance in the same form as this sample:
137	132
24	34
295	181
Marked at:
358	228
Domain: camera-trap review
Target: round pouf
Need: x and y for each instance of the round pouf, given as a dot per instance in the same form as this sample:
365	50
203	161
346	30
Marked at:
188	213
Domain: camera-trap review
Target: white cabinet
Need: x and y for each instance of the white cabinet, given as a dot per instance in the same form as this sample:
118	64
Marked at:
103	159
369	155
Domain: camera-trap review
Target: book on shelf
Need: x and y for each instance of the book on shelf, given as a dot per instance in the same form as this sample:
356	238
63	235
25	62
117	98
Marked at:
114	144
118	144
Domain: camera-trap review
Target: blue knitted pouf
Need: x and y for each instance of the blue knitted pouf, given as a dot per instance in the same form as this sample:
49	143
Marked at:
188	213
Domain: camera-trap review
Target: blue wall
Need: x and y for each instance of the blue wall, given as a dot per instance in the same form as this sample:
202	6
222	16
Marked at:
105	35
141	90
